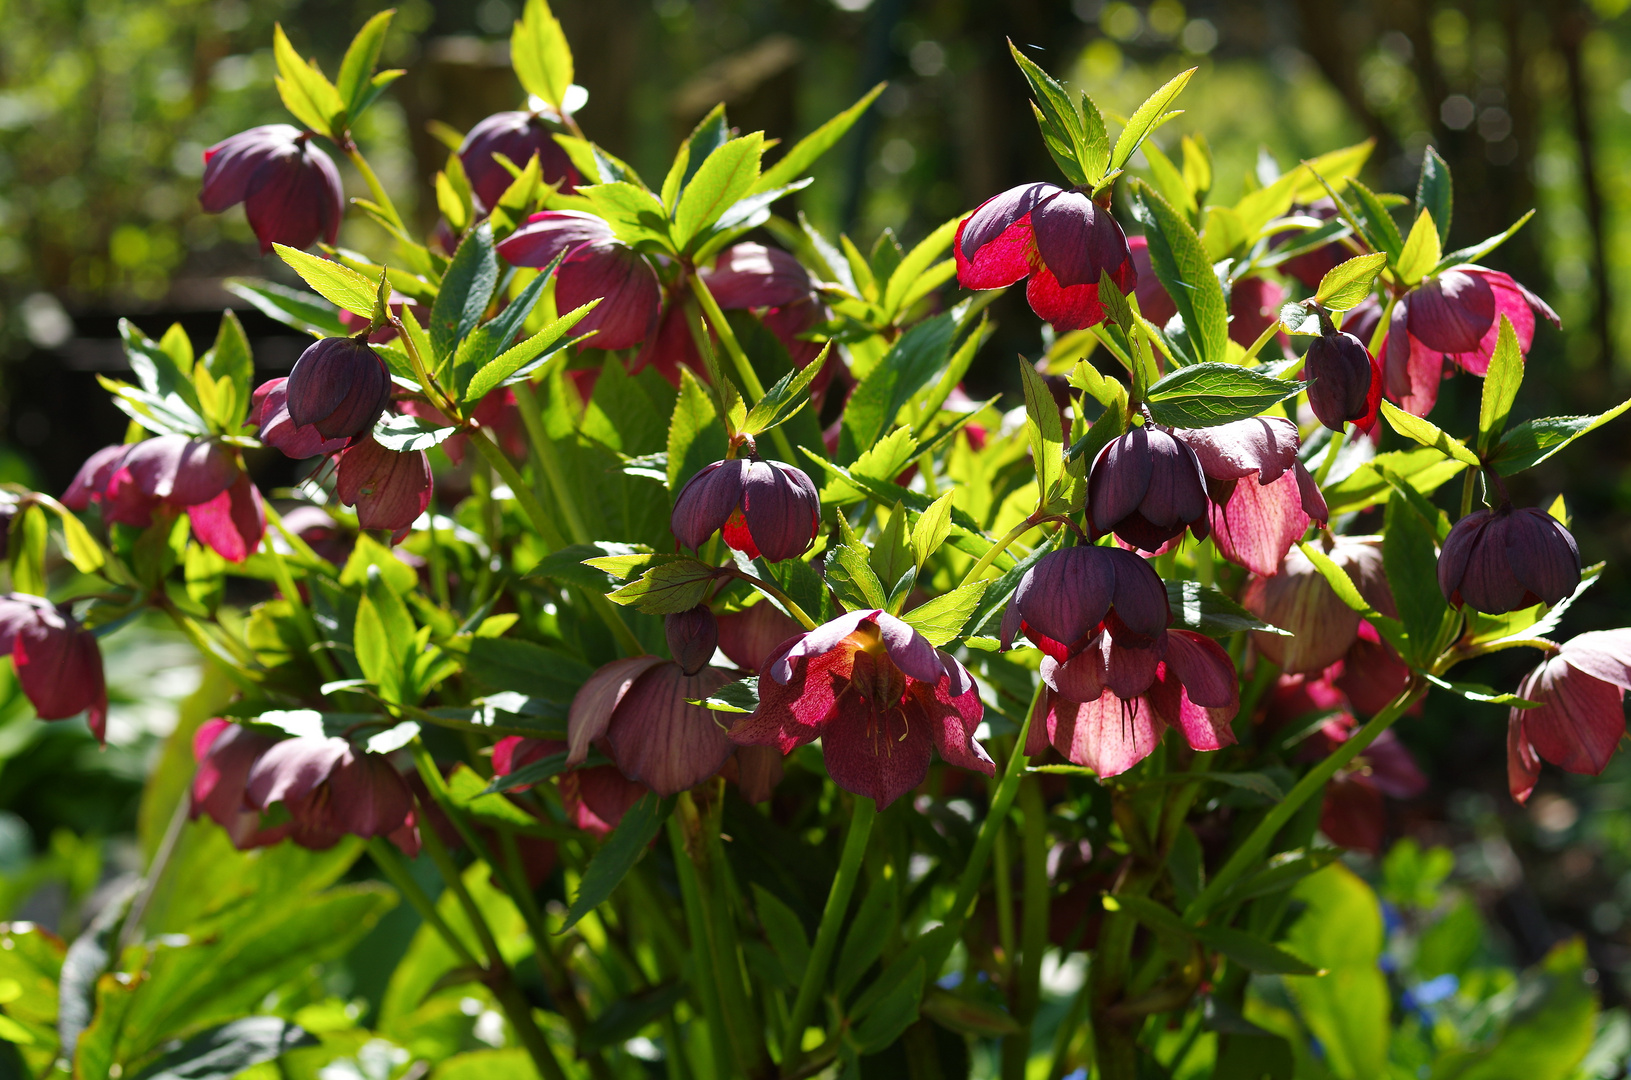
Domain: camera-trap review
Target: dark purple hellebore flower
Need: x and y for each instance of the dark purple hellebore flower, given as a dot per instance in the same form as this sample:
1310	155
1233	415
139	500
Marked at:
1581	716
57	661
1344	381
752	275
1501	560
1298	600
518	136
1255	524
1453	318
1147	487
692	638
759	507
290	189
331	789
878	696
225	753
640	708
270	412
1068	599
338	386
1061	240
390	489
597	266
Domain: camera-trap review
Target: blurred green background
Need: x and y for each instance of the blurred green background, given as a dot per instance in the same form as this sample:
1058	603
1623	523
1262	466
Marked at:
107	105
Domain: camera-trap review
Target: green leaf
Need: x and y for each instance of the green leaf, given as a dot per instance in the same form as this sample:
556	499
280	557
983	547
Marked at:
1179	260
931	529
968	1016
626	1017
1421	250
404	433
1533	441
788	396
741	696
1411	561
807	150
849	572
633	213
1253	953
891	556
534	772
864	940
908	367
1483	247
1378	224
618	855
540	54
1348	284
30	531
1501	385
357	69
230	364
1341	930
339	284
526	667
724	177
1478	692
784	932
1391	630
696	438
289	306
1043	431
305	91
940	620
667	588
383	636
1057	117
1205	610
1428	434
1549	1032
520	360
466	290
893	1011
1146	118
1205	395
86	555
1434	193
1424	469
223	1052
914	265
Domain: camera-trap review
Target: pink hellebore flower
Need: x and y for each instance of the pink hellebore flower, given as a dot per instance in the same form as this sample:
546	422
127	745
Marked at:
1255	523
1147	487
1061	240
1501	560
518	136
330	789
760	507
597	267
595	798
1581	715
57	661
225	753
1298	600
878	696
638	708
390	489
1453	318
290	189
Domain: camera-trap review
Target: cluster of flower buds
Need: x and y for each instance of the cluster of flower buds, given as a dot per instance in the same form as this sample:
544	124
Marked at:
1504	559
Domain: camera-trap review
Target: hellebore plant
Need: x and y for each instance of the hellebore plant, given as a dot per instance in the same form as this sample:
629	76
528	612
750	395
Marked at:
573	562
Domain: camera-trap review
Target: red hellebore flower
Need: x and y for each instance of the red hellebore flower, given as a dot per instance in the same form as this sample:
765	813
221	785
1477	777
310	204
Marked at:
1147	487
878	696
1581	716
595	799
290	189
1255	524
338	386
1344	381
518	136
1061	240
760	507
57	661
1353	814
1501	560
390	489
639	707
1297	599
331	789
1193	688
1453	318
597	266
269	412
225	753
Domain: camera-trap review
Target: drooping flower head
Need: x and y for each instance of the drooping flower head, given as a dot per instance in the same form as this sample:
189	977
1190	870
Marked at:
877	695
1344	381
339	386
1062	240
58	663
597	267
639	710
1501	560
290	189
1147	487
225	753
1298	600
760	507
331	789
518	136
269	411
1262	498
389	488
1581	716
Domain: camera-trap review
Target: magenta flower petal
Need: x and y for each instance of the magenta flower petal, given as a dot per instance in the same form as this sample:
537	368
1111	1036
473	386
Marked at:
58	662
293	769
389	489
1263	445
226	753
1129	666
1502	560
1602	654
1147	487
596	701
659	739
1450	313
1067	593
1298	599
1580	720
91	482
1254	306
994	246
1259	523
879	755
368	797
233	522
791	712
1108	736
1081	678
1207	673
952	719
752	275
692	638
909	650
1067	307
707	500
1341	376
1522	763
278	430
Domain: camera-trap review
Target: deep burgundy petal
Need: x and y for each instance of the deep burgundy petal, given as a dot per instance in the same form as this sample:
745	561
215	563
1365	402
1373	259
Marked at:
295	198
876	754
749	637
1140	597
1456	550
59	667
293	769
659	740
1067	593
909	650
1120	478
623	281
91	481
1254	306
1543	555
750	275
339	386
549	233
1602	654
994	246
518	136
1263	445
367	796
1580	721
707	500
389	489
596	701
693	636
278	429
781	508
1452	312
1339	370
1078	239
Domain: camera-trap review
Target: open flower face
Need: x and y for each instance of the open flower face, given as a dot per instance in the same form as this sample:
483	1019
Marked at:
878	696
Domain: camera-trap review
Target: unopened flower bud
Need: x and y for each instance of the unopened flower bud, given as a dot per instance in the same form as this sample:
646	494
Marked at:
763	508
692	638
518	136
1501	560
1344	381
338	386
290	189
1147	487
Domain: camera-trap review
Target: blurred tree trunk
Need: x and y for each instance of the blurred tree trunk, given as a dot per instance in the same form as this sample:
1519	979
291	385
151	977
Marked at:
1572	29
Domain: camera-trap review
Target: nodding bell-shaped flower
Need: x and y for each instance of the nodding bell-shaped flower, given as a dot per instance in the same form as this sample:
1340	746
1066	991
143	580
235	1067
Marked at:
58	663
339	386
878	696
748	275
1065	601
225	753
331	789
595	799
290	189
1453	318
597	267
518	136
1344	381
1353	814
1192	686
1580	718
269	411
1147	487
692	638
1254	524
1501	560
389	488
638	708
760	508
1062	240
1297	599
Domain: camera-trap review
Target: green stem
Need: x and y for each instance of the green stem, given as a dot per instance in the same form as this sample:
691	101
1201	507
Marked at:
1262	340
1468	489
702	972
739	358
782	598
1332	449
997	549
1252	848
543	452
1002	873
392	865
832	920
382	198
304	623
1016	1048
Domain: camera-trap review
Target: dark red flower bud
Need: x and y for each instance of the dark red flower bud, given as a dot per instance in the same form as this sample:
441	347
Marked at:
1501	560
518	136
338	386
597	267
761	507
755	276
91	482
1063	602
290	189
270	412
331	789
1581	717
1344	381
389	489
1147	487
57	661
748	637
692	638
